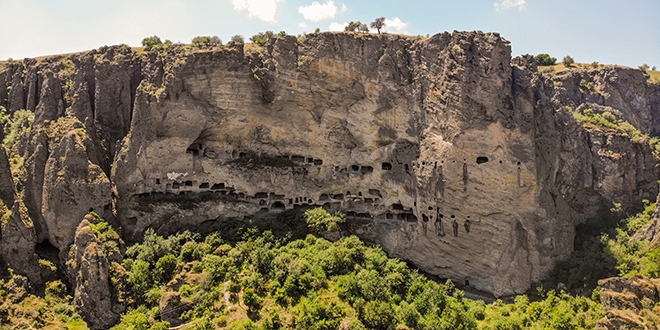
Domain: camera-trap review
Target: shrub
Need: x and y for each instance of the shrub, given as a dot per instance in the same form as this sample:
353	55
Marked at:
237	39
150	42
262	38
545	60
568	61
352	26
644	67
319	218
594	64
15	125
201	41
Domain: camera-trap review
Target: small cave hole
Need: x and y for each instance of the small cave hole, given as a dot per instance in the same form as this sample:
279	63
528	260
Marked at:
366	169
175	185
157	181
386	166
482	159
397	206
218	186
430	208
355	168
467	283
318	161
278	206
204	185
518	163
500	162
188	183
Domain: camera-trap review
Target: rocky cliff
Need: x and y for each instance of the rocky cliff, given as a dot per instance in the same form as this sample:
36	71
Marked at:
444	150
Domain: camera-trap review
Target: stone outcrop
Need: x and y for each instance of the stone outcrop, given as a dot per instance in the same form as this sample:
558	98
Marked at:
651	232
91	268
630	303
444	150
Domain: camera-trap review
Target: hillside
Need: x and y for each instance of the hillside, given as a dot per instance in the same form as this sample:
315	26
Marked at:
446	152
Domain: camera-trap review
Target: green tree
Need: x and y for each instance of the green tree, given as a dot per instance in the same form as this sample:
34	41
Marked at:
201	41
150	42
251	300
165	268
378	24
262	38
545	60
319	218
352	26
568	61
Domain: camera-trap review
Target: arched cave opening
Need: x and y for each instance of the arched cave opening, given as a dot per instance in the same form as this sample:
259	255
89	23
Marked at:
482	159
386	166
277	206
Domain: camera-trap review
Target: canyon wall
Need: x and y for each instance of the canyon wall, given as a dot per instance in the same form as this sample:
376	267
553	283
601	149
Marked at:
444	150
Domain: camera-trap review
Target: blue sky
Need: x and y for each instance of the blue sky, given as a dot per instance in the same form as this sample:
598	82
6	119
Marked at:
625	32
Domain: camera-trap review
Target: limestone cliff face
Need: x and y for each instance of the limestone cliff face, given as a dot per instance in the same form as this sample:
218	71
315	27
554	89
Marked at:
444	150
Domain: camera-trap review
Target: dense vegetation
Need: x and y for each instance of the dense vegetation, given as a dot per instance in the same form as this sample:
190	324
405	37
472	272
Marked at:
266	280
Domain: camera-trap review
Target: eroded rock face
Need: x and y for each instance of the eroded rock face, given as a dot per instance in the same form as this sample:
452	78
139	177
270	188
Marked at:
628	301
444	150
73	186
440	150
90	273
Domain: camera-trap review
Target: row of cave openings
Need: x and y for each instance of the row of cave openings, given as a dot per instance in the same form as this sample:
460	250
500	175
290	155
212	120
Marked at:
197	150
277	202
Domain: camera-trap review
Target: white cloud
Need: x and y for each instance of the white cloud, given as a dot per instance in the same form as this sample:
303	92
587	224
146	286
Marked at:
395	25
344	8
318	12
261	9
334	26
302	25
506	4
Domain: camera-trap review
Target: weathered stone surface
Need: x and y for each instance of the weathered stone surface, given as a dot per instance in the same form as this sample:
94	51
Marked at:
73	186
627	300
444	150
6	181
18	243
94	295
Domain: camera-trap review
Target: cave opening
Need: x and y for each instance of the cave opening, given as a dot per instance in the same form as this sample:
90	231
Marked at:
386	166
482	159
277	206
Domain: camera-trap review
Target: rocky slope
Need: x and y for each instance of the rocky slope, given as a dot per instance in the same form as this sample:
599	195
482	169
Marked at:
630	302
445	150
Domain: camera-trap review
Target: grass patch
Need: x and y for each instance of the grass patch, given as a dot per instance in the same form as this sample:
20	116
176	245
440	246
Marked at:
607	121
